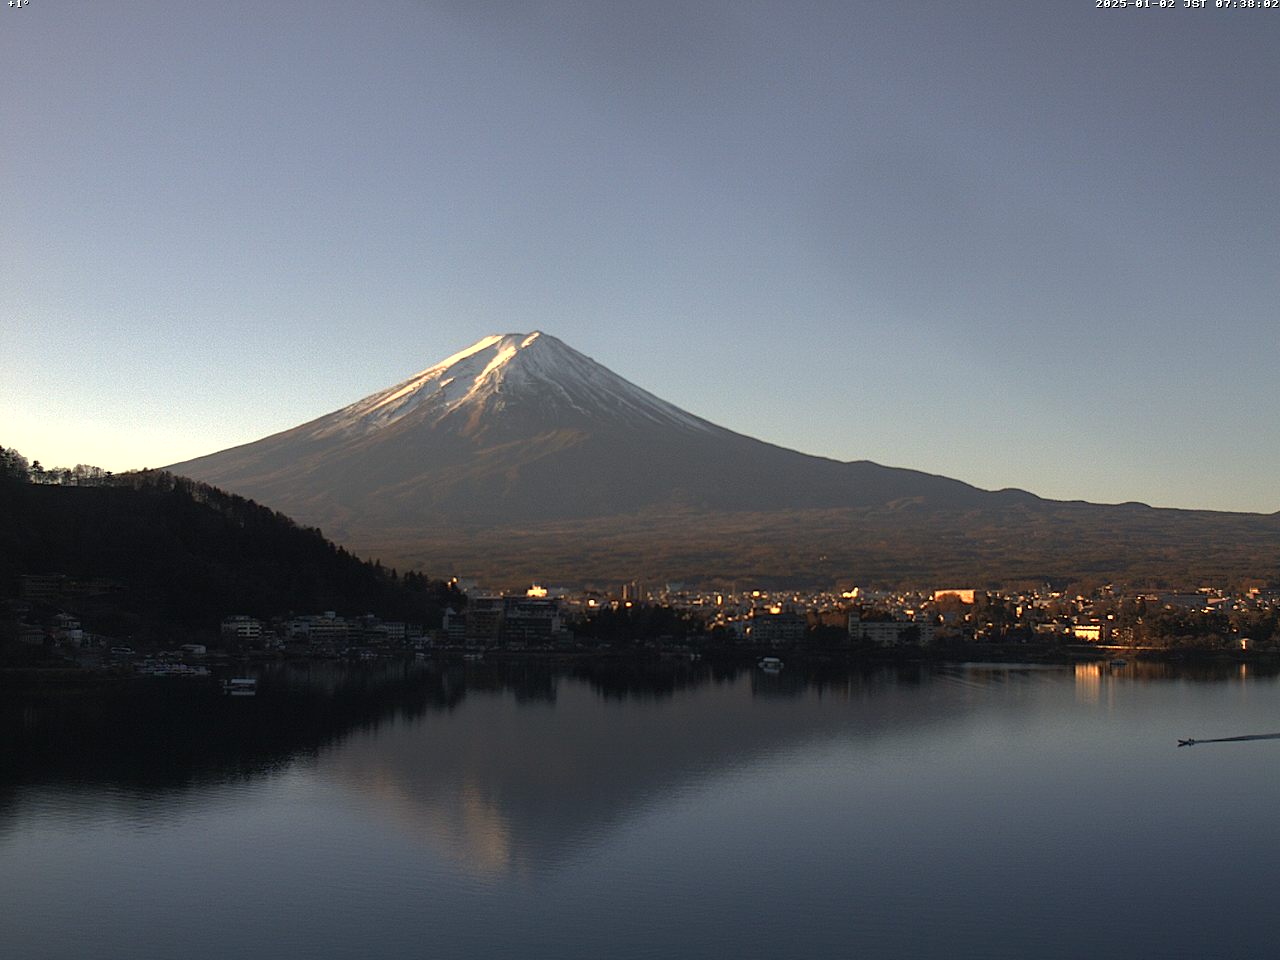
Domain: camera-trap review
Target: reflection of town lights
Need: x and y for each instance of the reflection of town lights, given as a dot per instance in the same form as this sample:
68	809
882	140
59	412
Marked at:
1088	685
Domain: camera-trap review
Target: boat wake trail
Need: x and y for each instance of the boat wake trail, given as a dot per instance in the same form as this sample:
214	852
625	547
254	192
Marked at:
1253	736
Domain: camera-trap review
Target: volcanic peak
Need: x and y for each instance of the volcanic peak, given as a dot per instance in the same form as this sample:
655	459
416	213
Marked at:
534	371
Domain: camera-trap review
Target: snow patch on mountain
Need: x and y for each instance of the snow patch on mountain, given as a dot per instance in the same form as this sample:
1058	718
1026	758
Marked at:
496	372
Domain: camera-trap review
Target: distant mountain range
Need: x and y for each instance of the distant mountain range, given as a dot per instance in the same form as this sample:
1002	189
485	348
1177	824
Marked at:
521	458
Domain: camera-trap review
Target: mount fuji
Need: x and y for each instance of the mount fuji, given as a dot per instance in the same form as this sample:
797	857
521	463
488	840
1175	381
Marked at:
520	457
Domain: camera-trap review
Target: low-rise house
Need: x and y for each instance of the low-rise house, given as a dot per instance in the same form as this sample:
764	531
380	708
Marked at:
32	634
66	629
1097	632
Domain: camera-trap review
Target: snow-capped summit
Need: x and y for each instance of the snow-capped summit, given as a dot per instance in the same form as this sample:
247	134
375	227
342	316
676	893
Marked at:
532	375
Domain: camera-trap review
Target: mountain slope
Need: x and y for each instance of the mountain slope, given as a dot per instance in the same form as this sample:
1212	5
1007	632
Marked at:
524	428
525	446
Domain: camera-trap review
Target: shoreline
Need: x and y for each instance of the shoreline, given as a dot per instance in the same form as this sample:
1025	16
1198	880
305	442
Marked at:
745	657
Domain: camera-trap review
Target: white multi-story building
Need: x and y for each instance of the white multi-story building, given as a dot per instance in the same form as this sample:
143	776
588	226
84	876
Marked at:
890	633
240	627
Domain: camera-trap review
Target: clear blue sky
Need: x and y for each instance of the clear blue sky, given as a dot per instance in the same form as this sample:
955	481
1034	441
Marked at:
1020	244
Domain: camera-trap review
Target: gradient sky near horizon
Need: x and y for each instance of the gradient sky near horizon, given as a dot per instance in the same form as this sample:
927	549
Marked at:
1019	244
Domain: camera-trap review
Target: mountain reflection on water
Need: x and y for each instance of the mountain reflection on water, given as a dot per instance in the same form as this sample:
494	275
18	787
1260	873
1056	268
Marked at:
643	810
539	754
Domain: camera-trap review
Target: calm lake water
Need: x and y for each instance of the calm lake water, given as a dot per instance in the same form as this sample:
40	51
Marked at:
945	811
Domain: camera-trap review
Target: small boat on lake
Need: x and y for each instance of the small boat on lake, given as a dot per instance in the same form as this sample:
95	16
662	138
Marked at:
770	664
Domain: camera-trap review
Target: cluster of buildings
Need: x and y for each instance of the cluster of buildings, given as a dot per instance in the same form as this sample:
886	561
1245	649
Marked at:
322	633
535	619
486	621
549	618
546	615
1106	615
887	618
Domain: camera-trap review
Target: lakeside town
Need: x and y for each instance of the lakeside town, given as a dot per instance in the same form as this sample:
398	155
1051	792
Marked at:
154	573
673	619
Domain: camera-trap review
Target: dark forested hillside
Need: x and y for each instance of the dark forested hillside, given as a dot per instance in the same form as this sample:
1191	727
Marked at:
165	551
